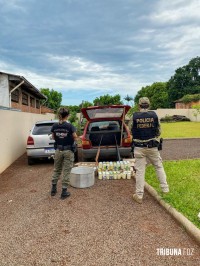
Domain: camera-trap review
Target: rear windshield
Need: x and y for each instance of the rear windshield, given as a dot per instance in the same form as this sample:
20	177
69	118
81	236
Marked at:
42	129
105	112
104	125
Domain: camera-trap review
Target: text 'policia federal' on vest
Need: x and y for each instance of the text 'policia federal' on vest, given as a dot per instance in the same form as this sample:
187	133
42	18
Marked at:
145	122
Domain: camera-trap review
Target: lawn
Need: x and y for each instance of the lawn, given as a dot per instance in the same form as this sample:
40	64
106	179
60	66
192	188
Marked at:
184	181
180	129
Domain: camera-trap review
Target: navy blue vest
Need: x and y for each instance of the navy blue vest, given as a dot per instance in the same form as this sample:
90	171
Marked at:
145	125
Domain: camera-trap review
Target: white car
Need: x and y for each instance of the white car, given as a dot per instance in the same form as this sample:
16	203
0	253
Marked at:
40	143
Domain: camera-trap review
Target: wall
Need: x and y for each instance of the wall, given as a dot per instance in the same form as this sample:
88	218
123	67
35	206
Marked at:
186	112
181	105
25	108
14	130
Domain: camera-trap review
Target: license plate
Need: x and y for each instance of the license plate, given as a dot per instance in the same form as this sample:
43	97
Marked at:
49	150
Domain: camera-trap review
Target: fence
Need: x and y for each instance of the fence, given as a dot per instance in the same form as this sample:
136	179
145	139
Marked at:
14	130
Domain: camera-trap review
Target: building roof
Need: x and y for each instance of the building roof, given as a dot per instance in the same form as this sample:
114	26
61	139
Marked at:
27	84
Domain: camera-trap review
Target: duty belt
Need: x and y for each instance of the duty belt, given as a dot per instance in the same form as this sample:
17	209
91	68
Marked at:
64	148
148	144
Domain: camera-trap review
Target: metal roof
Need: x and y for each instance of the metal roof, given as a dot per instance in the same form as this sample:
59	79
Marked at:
27	84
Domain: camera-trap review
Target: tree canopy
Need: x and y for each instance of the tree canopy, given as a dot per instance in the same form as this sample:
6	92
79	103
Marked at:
54	98
128	98
107	99
186	80
157	94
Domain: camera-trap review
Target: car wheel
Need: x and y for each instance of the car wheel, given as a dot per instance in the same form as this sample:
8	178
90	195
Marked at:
30	161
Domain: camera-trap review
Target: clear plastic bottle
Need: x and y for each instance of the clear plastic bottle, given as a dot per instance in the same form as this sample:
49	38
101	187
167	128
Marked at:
100	175
107	175
104	175
124	175
128	175
114	175
100	165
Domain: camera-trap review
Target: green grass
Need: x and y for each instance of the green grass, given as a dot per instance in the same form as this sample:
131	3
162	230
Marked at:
180	130
184	181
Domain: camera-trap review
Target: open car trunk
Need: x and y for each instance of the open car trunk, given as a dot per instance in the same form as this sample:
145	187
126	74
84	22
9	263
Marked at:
104	124
107	135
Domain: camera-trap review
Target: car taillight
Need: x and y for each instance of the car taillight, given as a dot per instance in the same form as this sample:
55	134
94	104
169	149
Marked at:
86	144
127	141
30	141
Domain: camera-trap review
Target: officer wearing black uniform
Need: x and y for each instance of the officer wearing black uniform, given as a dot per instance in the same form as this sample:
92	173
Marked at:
146	130
64	134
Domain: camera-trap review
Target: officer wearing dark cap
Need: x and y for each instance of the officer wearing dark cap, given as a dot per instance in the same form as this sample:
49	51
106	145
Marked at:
146	130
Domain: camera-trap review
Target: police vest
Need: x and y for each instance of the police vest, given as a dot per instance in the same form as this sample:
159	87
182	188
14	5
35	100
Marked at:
145	125
63	133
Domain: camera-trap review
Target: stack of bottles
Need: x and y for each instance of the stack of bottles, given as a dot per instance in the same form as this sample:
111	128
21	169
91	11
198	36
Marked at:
115	170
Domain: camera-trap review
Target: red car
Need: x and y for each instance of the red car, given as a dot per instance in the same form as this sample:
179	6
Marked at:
106	128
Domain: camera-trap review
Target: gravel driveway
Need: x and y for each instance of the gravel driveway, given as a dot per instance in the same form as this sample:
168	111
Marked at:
97	226
176	149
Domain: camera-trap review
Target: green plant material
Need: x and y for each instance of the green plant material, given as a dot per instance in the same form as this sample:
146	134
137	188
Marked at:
157	94
107	100
190	98
196	111
180	130
167	119
128	98
184	182
132	110
186	80
54	98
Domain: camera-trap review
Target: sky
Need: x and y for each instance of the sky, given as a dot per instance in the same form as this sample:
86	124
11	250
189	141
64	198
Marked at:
88	48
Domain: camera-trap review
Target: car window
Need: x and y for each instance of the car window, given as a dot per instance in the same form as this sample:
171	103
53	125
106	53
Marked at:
103	125
42	129
105	112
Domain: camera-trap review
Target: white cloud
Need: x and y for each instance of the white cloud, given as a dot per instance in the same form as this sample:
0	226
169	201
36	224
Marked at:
76	64
8	5
103	81
176	11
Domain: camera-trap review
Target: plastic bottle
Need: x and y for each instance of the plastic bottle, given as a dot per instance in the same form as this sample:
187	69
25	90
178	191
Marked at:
100	175
128	175
100	165
104	175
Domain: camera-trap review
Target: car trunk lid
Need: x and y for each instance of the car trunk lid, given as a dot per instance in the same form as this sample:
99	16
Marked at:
98	113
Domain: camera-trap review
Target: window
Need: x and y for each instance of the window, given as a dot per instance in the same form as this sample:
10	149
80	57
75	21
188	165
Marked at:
37	104
42	129
32	102
15	96
24	98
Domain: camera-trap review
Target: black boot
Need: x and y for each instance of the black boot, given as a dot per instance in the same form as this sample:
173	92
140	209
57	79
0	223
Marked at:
64	193
54	189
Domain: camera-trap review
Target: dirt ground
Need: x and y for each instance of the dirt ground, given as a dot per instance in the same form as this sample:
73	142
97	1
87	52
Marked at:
96	226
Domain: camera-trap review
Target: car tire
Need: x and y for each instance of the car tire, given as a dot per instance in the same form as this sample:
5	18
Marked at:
30	161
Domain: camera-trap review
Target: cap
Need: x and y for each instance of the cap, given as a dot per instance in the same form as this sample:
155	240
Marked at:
144	100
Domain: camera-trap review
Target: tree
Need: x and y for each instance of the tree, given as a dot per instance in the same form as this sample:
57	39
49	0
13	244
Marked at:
186	80
128	98
196	111
85	104
157	94
54	98
107	100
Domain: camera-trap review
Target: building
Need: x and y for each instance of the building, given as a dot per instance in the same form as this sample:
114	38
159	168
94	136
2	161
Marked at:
18	93
187	101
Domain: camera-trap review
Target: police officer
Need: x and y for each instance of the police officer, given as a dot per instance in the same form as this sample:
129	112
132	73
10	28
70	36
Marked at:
64	135
146	130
